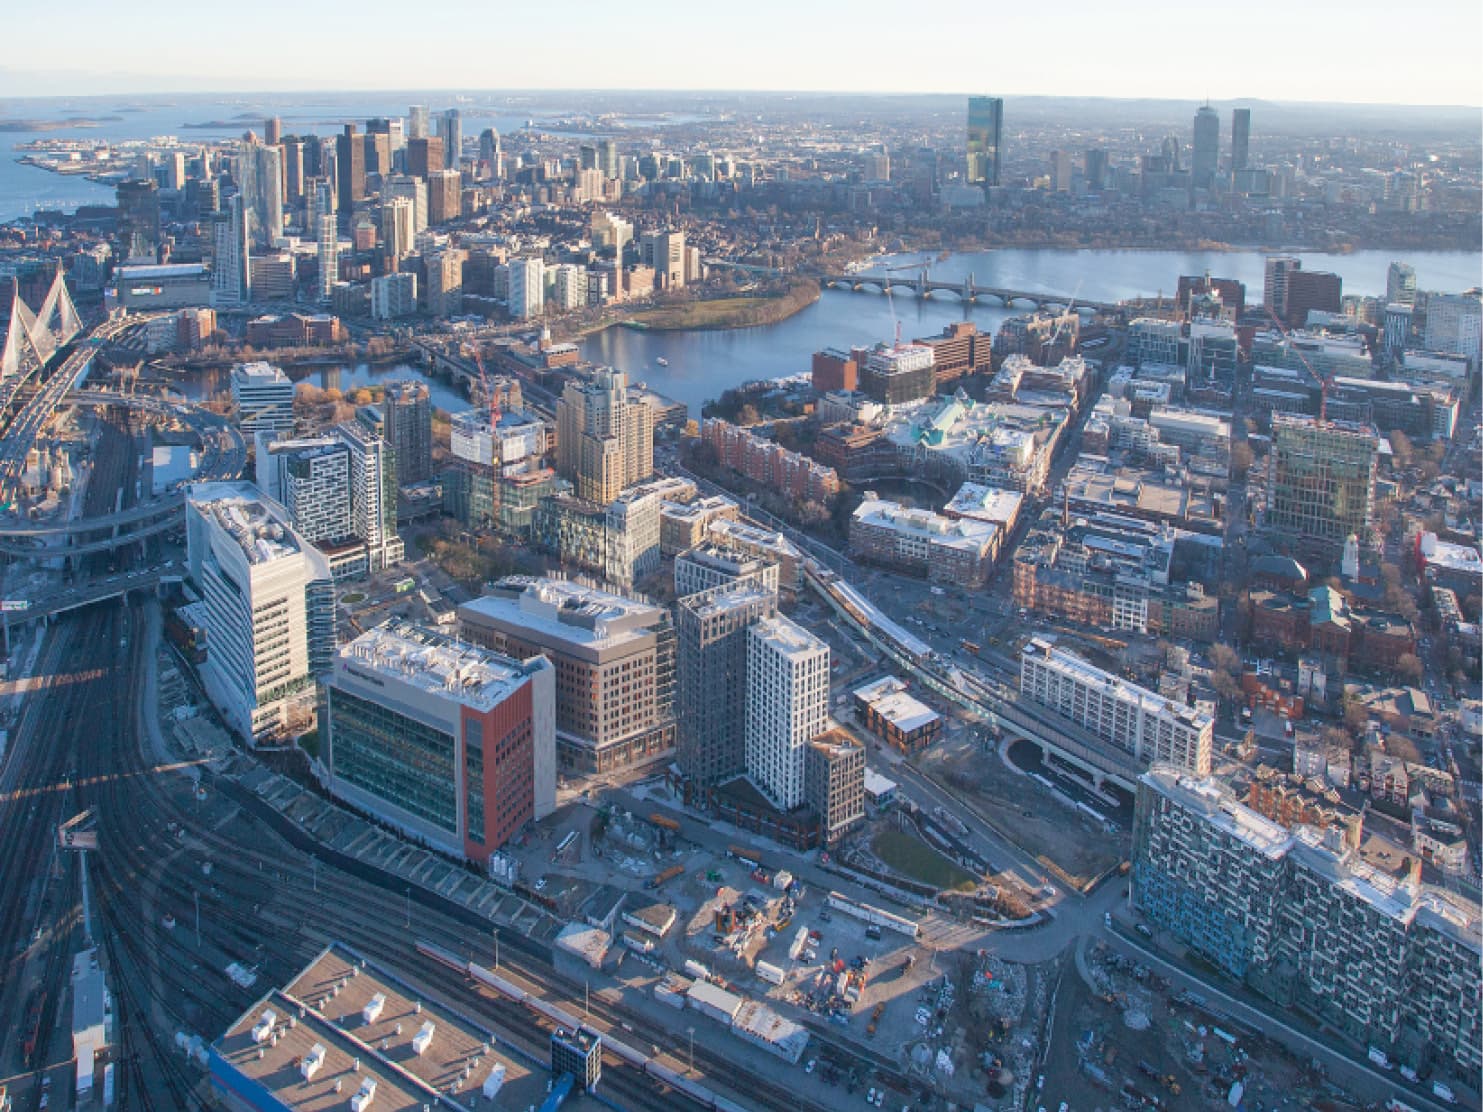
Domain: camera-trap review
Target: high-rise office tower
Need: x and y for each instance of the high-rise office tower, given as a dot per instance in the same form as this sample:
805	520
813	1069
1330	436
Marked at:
258	171
350	169
1094	166
607	158
1060	171
273	131
1308	290
1400	284
1321	483
1206	157
415	190
604	438
490	153
1240	138
373	493
268	609
711	633
138	218
231	261
417	122
397	232
985	135
406	410
666	251
444	196
1453	324
1274	283
378	146
293	169
527	297
175	170
452	133
424	156
787	705
444	269
329	255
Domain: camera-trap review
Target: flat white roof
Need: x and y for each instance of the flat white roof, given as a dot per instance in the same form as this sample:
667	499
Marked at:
970	533
888	697
986	503
263	534
435	663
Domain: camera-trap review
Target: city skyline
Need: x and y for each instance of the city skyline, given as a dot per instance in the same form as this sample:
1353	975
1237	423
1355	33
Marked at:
1421	68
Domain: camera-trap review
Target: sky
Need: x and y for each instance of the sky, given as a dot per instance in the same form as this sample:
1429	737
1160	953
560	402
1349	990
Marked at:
1358	51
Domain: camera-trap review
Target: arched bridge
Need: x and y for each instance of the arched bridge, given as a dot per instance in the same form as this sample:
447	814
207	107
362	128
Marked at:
922	285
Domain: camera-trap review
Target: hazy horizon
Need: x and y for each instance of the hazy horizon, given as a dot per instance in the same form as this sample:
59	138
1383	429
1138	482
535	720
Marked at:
1319	52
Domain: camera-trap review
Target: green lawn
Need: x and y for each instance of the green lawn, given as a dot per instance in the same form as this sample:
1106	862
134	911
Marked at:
912	857
700	314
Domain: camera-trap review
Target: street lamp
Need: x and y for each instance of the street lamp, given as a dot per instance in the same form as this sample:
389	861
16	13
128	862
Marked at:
495	931
691	1067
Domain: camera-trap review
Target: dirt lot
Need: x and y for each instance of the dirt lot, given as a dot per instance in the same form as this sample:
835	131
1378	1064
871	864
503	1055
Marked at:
1130	1034
1066	841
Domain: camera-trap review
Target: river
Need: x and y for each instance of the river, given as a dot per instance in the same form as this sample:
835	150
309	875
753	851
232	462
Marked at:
702	364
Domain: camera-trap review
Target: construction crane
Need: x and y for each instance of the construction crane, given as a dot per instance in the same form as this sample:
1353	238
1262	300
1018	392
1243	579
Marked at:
1325	382
1060	324
490	399
891	301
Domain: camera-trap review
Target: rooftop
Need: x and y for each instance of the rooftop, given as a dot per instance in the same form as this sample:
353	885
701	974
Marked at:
259	526
985	502
163	270
1089	674
968	533
888	697
787	637
566	611
436	663
257	374
1211	798
344	1010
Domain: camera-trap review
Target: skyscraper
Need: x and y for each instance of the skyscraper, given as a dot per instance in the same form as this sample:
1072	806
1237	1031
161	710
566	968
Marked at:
231	263
258	171
1322	478
527	297
985	131
329	255
396	229
444	196
424	155
273	131
604	438
378	146
452	133
1206	156
490	153
417	122
293	169
1400	284
406	409
1274	283
138	218
350	169
1240	137
711	632
787	705
269	609
373	493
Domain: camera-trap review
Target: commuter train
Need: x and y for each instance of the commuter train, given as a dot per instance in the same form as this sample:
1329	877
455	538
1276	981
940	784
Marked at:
636	1058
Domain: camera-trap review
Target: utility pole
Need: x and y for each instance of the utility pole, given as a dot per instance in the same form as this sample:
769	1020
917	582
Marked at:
691	1067
314	869
495	931
409	906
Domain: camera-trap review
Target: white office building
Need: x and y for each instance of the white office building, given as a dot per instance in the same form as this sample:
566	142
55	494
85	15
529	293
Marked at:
527	288
393	296
329	256
787	705
264	397
1454	324
1138	721
269	610
231	259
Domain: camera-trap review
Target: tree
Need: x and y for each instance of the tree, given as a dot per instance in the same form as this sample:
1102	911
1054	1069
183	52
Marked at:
1356	714
1225	659
1400	448
1241	459
1335	737
1408	667
1225	684
748	415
